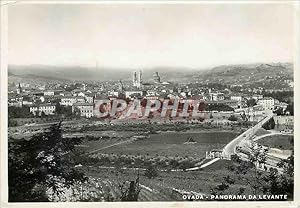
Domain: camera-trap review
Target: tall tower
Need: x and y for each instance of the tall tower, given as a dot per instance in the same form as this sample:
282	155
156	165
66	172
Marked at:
134	79
121	86
156	78
137	79
19	89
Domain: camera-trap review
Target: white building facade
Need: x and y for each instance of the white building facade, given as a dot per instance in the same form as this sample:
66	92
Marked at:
267	103
84	109
47	109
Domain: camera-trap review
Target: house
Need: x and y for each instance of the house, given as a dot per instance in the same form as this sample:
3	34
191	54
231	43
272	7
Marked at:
267	103
257	96
133	93
49	93
27	101
77	92
81	94
89	98
284	120
15	100
236	97
83	109
282	105
70	100
216	96
47	109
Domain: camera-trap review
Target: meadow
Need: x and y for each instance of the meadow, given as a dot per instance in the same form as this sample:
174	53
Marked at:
284	142
168	144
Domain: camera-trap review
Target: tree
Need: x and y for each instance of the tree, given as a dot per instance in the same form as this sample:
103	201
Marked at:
259	179
270	124
42	165
218	107
251	102
43	115
19	112
290	109
232	118
151	172
12	122
279	111
130	193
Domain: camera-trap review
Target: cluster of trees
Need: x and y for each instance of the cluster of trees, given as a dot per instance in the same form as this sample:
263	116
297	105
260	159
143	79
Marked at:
251	102
19	112
140	127
43	167
140	161
270	124
63	110
290	108
232	118
258	178
151	171
218	107
132	192
282	96
45	162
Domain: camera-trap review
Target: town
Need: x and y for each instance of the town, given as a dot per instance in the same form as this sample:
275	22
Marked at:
79	98
232	121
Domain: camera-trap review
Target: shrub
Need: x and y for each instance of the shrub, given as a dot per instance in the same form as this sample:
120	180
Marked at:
232	118
151	172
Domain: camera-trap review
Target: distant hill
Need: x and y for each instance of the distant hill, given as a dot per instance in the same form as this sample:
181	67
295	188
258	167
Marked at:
247	74
227	74
92	73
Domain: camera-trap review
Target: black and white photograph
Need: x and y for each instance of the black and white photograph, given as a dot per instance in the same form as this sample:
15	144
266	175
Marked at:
149	102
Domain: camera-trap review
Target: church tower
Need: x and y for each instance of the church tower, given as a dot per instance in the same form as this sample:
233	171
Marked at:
137	79
19	89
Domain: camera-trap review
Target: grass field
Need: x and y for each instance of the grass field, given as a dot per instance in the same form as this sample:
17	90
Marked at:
172	144
197	181
284	142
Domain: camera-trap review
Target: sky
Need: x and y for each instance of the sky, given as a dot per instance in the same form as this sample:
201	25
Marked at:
149	35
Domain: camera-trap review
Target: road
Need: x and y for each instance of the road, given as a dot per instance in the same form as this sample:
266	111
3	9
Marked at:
229	149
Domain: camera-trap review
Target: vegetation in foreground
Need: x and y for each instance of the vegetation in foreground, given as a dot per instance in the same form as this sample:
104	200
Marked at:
46	168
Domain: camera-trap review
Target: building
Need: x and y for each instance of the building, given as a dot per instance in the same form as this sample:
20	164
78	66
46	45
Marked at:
89	98
133	93
156	78
27	101
70	100
284	120
49	93
47	109
83	109
217	96
257	96
19	89
238	98
15	100
267	103
137	79
121	86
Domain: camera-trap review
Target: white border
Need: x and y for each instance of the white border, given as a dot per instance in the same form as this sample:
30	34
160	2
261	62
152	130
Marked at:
3	114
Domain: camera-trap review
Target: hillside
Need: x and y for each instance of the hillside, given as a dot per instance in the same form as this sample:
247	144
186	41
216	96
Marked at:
267	75
263	75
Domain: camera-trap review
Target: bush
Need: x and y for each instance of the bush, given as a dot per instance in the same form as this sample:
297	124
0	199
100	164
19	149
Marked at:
151	172
232	118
